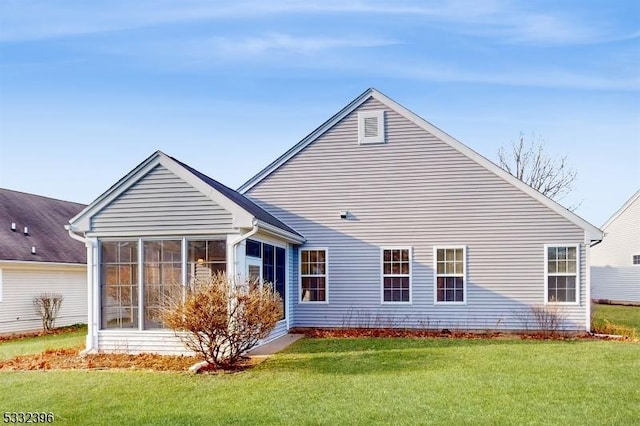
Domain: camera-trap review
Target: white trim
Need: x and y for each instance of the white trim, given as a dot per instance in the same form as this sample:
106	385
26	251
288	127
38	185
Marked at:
465	281
21	264
326	275
592	232
287	285
363	139
577	274
587	278
1	289
382	275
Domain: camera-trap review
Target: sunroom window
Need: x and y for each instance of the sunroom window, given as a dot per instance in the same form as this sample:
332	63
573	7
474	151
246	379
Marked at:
119	284
161	269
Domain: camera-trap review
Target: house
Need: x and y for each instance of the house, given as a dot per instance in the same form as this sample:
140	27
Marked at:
37	256
376	219
615	266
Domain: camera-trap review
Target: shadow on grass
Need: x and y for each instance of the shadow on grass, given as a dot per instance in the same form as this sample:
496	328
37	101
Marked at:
385	355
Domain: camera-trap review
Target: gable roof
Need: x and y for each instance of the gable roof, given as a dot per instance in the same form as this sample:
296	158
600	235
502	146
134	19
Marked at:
45	219
622	209
244	211
592	232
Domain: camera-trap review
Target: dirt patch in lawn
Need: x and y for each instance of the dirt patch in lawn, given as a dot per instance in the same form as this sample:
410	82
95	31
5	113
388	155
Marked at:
70	359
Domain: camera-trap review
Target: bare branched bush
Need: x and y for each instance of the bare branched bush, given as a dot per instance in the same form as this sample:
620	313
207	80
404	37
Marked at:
548	319
221	319
47	307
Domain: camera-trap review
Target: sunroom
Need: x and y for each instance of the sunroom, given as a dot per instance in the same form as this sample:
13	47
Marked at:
154	232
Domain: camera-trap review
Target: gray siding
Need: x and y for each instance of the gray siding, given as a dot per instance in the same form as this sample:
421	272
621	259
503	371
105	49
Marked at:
158	202
22	283
415	191
618	284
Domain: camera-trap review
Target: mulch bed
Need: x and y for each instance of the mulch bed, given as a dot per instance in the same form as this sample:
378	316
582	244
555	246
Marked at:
70	359
421	333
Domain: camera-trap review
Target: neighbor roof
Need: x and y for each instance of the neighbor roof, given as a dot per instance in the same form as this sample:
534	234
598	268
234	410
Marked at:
592	232
44	219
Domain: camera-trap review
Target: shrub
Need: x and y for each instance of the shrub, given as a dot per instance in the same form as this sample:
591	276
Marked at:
547	320
221	319
47	306
607	327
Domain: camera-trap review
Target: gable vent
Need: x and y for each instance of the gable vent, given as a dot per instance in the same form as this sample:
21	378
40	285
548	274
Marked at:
371	127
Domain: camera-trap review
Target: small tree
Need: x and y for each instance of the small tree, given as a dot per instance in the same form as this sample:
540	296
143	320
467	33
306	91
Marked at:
220	319
47	306
530	163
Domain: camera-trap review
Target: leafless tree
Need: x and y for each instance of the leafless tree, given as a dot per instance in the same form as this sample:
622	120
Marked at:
530	163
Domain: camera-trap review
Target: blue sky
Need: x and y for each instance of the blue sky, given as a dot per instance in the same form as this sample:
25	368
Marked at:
90	89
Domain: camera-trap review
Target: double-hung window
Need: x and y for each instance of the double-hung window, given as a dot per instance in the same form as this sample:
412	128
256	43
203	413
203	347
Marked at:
313	275
396	275
450	267
561	273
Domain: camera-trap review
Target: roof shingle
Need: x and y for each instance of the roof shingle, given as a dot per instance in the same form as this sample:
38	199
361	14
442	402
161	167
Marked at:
45	219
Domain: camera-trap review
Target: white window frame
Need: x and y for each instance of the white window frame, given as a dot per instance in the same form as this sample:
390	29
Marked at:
465	281
383	275
380	138
326	276
547	274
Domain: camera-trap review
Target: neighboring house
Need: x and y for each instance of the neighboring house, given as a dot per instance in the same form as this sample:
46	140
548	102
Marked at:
37	256
615	266
376	219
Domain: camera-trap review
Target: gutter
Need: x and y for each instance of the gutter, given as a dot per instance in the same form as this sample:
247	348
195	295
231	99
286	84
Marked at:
241	238
91	344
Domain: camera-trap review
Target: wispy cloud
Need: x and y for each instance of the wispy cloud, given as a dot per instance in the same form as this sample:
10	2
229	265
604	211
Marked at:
286	43
511	22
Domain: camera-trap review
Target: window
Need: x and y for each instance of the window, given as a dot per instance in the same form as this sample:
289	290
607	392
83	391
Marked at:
451	266
370	127
396	275
636	259
273	266
313	275
161	269
162	276
119	284
561	270
206	258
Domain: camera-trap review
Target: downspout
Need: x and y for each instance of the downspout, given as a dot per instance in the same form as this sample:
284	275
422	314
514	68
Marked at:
90	344
241	238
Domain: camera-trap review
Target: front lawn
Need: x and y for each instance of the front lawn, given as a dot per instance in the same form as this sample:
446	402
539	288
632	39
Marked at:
360	381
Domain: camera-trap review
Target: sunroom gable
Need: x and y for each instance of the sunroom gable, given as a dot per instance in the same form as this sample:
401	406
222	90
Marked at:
159	195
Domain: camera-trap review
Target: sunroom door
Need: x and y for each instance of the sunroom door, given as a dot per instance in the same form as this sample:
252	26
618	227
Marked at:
254	270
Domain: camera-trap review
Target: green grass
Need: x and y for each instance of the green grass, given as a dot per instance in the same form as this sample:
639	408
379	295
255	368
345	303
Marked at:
34	345
627	316
360	381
